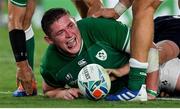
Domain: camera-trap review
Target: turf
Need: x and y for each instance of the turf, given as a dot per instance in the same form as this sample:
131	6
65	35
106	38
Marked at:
8	84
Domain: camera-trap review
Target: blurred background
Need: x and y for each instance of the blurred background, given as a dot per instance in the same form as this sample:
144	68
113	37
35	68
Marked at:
7	62
167	8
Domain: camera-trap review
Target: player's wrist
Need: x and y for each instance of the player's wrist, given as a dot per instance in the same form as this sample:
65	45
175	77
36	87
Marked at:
120	9
22	64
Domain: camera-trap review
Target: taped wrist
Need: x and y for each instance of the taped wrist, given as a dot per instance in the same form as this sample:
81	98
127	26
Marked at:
153	60
120	8
18	44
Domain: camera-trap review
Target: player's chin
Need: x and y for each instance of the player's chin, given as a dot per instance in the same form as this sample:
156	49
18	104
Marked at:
73	51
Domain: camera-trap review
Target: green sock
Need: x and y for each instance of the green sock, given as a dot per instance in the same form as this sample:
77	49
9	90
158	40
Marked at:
137	77
30	51
137	74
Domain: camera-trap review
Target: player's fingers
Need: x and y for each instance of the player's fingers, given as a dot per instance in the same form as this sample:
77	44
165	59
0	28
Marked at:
97	14
27	85
18	81
79	92
68	96
74	92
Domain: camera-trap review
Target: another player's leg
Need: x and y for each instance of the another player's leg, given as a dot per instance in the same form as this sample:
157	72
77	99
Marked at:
17	11
141	41
87	7
154	60
81	7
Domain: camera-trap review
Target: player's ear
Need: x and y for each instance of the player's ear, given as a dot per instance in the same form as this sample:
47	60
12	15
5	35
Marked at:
48	39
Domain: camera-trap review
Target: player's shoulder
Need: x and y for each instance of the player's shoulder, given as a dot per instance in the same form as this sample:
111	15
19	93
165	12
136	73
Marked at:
95	20
49	54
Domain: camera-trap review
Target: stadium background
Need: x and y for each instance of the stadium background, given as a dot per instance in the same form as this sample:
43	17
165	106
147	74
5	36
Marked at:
8	68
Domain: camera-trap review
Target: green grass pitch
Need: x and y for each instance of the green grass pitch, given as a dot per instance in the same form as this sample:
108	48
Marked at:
8	84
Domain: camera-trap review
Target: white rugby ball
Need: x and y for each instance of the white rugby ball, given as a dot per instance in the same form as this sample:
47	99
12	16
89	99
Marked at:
94	82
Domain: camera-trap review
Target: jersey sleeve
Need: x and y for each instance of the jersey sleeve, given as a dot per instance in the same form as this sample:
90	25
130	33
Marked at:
108	30
49	70
48	78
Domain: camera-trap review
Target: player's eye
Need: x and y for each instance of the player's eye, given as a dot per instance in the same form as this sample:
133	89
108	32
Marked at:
71	25
59	33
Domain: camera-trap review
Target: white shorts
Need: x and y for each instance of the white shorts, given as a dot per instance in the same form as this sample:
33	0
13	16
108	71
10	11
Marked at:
169	73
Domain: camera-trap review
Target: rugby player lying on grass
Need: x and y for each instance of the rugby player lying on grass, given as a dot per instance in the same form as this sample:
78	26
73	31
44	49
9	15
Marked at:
71	42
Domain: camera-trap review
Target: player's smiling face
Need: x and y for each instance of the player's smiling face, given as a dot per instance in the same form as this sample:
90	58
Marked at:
66	36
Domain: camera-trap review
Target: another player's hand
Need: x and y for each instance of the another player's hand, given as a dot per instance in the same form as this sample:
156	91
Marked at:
106	13
119	72
25	76
71	93
164	94
113	74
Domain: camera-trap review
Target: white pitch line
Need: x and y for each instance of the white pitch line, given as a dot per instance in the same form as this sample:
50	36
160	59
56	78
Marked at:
168	99
9	92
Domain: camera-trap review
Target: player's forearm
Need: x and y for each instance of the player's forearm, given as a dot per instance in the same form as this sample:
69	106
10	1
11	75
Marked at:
122	6
93	3
152	83
126	3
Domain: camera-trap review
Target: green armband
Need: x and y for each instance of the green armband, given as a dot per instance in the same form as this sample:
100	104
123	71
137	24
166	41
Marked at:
152	92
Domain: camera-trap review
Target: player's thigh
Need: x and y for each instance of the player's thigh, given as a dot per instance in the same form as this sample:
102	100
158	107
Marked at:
16	13
31	5
139	6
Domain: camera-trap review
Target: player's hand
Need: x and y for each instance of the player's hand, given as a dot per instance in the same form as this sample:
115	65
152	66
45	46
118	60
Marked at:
113	74
119	72
106	13
164	94
25	76
71	93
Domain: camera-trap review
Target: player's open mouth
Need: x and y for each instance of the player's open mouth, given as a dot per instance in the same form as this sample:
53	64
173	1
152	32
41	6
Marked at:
71	43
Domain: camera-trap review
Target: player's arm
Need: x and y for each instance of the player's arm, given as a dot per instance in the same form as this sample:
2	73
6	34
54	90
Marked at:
24	73
119	72
60	93
157	57
87	7
115	12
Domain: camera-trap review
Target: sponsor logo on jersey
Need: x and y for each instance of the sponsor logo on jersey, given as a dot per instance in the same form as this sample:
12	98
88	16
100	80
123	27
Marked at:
68	76
82	62
73	83
143	73
70	80
101	55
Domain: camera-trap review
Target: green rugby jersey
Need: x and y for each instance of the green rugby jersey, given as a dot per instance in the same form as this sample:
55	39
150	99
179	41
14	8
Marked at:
103	42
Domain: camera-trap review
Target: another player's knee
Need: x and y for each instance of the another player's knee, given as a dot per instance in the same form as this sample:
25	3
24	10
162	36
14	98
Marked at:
15	22
142	8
